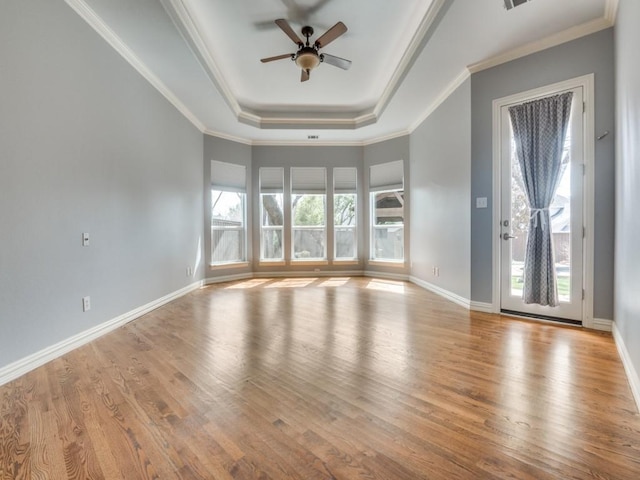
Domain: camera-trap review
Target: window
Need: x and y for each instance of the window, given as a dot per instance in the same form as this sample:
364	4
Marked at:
228	213
308	213
386	186
344	214
271	214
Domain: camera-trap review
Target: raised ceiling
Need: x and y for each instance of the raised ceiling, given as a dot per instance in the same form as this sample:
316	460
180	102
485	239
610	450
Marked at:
203	55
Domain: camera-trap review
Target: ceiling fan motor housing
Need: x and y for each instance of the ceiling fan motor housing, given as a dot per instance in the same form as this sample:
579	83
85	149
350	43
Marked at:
307	58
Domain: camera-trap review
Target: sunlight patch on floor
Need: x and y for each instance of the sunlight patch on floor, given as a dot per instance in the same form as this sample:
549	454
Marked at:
256	282
292	283
386	286
334	282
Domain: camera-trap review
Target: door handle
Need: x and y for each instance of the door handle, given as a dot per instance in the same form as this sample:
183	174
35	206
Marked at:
506	236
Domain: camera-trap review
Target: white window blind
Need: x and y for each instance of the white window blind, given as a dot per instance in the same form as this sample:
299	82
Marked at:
228	177
272	180
308	180
344	180
386	176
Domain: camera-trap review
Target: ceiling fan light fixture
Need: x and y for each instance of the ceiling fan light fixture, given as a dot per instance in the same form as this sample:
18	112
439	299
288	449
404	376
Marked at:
307	60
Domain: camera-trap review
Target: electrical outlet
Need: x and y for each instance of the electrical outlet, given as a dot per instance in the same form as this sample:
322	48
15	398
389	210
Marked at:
189	272
86	304
437	271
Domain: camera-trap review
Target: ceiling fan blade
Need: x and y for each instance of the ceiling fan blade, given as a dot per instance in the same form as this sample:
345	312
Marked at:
286	28
304	76
277	57
336	61
331	34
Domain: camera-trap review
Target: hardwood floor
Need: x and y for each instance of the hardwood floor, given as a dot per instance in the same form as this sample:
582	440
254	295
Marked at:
325	378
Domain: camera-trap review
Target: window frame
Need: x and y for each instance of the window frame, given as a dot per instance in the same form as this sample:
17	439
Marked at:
374	227
345	182
271	228
242	229
271	182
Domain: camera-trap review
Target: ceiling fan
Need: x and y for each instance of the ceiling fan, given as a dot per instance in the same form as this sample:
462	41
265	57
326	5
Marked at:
307	57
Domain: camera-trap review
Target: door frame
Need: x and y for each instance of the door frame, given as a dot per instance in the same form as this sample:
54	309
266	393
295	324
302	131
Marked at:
587	84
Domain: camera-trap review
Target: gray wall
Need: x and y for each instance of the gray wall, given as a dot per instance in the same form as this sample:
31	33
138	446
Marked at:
591	54
86	145
627	263
223	150
440	195
383	152
316	156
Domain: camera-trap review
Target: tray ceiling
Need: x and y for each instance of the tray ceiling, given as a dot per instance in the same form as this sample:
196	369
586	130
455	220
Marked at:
203	55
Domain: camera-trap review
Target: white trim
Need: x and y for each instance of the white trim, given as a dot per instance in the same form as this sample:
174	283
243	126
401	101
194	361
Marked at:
227	278
308	263
440	99
304	143
611	11
228	266
481	307
554	40
452	297
387	276
308	274
384	138
33	361
224	136
95	22
587	84
188	26
409	56
602	324
632	374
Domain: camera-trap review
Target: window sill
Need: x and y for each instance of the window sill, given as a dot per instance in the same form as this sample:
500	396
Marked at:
346	262
309	262
224	266
272	263
387	263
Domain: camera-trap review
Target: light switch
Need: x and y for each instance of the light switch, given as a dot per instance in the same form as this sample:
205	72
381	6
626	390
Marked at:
481	202
85	239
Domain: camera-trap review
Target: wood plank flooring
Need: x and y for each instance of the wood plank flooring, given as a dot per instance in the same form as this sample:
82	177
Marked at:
324	378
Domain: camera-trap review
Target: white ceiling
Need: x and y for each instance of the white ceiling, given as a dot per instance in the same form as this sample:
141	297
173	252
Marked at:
203	55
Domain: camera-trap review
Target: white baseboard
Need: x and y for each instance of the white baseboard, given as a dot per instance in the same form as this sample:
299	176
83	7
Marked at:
228	278
482	307
602	324
26	364
306	274
401	277
632	374
453	297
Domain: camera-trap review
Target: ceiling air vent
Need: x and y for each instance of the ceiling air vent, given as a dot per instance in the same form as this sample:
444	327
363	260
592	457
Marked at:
509	4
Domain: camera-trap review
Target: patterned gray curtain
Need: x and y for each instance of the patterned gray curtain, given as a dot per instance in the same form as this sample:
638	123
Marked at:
540	128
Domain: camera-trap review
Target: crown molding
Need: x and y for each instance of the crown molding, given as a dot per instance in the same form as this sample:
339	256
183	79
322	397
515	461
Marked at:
611	11
183	21
305	143
308	123
226	136
95	22
384	138
568	35
452	87
410	55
